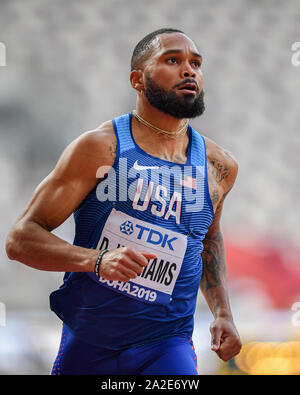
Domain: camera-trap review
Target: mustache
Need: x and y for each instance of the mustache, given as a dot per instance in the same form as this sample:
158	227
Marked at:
187	81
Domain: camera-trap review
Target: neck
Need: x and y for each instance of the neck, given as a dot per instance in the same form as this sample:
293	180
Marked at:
160	119
174	150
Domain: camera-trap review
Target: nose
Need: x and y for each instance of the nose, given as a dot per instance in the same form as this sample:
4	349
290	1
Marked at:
187	70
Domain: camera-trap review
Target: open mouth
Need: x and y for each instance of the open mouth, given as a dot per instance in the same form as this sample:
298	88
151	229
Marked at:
189	87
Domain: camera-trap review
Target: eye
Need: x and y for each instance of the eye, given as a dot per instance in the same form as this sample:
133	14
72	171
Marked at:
172	60
196	64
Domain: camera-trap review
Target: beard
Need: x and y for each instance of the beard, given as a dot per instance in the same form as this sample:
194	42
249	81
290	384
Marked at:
168	102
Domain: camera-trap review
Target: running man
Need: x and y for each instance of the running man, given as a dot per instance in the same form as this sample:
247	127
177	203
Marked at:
147	193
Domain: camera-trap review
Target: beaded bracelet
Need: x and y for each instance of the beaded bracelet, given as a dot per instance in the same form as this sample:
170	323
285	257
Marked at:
97	264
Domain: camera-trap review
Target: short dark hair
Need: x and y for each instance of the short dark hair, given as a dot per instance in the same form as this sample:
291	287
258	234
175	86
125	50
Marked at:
143	48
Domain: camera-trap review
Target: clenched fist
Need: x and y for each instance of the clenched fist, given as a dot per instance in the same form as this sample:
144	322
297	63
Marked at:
124	263
225	340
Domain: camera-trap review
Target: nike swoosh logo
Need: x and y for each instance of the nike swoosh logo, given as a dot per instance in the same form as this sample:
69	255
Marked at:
138	167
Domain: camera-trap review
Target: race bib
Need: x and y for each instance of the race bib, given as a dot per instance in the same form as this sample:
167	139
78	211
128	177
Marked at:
156	283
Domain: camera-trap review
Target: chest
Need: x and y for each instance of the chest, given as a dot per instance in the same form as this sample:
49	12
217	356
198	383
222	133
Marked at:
172	196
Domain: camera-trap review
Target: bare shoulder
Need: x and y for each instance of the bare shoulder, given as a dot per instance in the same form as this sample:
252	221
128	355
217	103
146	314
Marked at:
98	143
221	164
87	153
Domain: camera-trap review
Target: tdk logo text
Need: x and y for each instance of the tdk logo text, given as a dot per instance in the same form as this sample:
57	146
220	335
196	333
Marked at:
149	235
155	237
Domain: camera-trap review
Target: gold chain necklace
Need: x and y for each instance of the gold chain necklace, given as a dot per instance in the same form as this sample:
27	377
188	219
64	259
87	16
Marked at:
172	135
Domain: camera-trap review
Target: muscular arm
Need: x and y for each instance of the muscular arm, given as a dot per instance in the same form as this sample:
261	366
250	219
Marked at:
222	172
213	282
30	240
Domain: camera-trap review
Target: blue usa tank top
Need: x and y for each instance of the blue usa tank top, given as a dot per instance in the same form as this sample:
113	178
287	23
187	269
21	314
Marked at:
151	205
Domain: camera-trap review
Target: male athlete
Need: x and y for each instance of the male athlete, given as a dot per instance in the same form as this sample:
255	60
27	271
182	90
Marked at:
147	193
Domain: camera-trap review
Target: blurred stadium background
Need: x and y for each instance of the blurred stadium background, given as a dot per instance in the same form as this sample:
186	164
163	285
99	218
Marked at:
67	71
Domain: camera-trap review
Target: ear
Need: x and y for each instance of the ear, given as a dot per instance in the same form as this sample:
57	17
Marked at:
136	79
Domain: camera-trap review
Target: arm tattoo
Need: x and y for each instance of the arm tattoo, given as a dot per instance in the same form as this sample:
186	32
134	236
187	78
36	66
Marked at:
113	149
213	281
214	266
215	196
216	172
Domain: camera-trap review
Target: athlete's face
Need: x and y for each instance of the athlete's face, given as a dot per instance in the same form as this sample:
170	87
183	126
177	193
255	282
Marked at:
173	77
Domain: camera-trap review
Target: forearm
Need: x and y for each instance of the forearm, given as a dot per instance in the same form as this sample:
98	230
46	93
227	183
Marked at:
213	282
33	245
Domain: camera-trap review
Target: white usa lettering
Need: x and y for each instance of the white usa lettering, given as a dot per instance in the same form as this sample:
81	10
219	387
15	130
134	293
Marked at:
173	208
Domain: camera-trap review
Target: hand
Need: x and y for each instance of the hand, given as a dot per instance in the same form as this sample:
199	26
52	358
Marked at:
124	263
225	338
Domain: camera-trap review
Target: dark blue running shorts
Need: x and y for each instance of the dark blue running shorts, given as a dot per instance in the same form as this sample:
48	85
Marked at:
172	356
